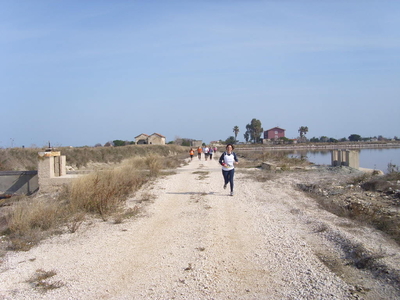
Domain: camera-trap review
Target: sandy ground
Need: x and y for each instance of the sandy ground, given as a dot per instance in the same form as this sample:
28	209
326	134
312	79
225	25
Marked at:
194	241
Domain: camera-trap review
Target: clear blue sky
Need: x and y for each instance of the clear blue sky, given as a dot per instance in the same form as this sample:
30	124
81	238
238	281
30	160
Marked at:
84	72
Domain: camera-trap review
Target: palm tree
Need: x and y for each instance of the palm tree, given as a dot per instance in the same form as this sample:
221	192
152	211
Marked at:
236	131
303	130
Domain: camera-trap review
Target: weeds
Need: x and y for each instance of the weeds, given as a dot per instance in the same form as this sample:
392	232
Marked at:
40	280
360	179
75	221
392	168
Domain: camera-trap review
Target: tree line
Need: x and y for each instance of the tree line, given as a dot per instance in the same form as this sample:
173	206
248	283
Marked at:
254	130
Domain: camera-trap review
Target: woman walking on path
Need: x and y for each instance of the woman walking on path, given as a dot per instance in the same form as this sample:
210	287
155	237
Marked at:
227	161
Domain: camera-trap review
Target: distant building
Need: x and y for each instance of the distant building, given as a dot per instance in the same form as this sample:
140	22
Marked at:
274	133
196	143
141	139
154	139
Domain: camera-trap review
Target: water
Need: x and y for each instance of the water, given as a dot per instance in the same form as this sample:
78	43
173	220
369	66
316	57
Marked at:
369	158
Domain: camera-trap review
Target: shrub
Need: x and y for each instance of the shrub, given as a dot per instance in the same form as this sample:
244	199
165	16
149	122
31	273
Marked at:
33	214
30	219
154	164
103	192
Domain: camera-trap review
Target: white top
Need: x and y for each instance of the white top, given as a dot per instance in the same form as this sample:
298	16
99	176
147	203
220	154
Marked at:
229	160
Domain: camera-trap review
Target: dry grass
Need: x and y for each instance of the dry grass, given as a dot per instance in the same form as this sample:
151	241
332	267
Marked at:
22	159
154	164
40	280
40	214
15	159
254	159
102	193
74	221
30	220
126	214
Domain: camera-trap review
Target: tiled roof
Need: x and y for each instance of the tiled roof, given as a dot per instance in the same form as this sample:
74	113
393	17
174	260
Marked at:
160	135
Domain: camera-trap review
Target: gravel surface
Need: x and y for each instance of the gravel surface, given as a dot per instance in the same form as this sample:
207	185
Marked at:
194	241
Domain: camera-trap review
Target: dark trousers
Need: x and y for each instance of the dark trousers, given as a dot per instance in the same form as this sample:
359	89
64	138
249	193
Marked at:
228	177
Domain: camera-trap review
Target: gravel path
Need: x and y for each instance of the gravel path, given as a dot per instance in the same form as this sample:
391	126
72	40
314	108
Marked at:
193	242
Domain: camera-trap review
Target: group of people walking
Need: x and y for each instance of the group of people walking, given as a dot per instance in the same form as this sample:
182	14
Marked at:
227	160
208	152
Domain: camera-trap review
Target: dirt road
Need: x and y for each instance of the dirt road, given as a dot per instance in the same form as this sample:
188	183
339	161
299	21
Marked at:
194	241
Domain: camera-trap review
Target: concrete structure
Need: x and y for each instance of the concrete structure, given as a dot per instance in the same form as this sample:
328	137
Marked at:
348	158
154	139
18	183
274	133
52	171
51	174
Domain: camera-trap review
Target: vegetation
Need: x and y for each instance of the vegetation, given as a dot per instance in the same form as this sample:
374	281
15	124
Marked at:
280	158
119	143
16	159
253	131
101	193
230	140
303	131
324	139
186	142
22	159
393	169
354	138
366	198
40	280
236	131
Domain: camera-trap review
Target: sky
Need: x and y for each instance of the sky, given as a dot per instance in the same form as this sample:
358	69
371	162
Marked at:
76	73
